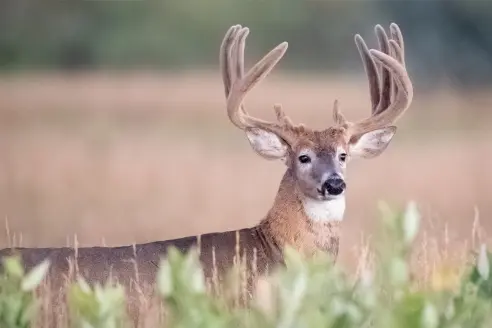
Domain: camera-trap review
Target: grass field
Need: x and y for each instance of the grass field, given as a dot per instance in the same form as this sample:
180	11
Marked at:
122	158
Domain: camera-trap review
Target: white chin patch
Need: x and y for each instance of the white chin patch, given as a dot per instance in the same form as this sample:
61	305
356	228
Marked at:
331	210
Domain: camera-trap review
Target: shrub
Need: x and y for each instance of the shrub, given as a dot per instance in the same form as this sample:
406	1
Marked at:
18	304
306	293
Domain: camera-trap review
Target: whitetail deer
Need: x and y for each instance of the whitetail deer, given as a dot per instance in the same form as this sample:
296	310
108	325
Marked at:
310	202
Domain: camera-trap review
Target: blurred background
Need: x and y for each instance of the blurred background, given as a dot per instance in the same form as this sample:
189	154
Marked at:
113	126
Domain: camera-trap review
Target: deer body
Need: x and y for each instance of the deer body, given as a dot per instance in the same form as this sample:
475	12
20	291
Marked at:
139	263
310	201
287	223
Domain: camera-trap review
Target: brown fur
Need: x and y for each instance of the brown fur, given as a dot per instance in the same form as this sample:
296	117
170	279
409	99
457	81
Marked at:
321	141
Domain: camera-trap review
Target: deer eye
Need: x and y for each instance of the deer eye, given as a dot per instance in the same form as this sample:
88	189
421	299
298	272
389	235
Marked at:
343	157
304	159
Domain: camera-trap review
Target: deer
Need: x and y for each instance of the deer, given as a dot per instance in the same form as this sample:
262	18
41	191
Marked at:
309	206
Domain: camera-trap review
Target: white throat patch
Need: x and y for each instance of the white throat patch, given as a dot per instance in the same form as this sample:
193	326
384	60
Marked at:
324	210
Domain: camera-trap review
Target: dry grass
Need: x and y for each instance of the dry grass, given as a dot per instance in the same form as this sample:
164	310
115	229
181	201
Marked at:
134	158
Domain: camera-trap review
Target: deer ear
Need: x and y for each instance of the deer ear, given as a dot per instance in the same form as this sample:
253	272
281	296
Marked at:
267	144
371	144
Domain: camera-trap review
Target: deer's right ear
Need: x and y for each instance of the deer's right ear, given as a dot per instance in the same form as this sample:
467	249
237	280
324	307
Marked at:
267	144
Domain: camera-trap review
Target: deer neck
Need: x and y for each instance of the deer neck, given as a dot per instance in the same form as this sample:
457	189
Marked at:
307	225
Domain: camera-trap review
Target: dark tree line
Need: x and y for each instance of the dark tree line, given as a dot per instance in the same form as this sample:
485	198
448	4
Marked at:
447	39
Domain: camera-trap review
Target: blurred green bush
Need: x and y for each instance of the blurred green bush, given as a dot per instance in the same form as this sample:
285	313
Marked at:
447	39
306	293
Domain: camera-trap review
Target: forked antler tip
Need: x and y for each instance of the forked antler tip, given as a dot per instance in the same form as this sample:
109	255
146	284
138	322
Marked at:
236	31
245	29
230	35
242	33
233	29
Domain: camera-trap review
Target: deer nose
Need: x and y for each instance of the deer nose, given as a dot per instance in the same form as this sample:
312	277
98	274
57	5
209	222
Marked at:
334	185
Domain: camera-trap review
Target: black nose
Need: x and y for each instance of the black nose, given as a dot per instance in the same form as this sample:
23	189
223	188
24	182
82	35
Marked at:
334	186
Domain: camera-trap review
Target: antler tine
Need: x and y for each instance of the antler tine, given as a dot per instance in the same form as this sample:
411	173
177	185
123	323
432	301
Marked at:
232	57
225	49
386	80
281	117
337	114
371	71
237	84
238	52
397	54
236	57
397	38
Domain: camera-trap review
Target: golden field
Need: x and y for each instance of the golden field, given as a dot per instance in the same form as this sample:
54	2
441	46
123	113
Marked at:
115	158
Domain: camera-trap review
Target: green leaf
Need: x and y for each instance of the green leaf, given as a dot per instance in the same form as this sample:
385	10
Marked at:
429	317
84	286
165	279
411	221
35	276
28	314
483	265
193	272
398	271
13	266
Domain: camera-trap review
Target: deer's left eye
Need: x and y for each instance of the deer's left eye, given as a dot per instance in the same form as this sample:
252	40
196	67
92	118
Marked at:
342	157
304	159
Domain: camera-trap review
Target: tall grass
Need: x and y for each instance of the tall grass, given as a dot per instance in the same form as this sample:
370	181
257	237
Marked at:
309	292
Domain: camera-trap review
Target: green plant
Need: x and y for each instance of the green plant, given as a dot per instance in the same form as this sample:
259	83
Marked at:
98	306
18	303
315	293
182	286
306	293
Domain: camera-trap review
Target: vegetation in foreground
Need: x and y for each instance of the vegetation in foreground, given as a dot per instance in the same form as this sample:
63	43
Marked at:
307	293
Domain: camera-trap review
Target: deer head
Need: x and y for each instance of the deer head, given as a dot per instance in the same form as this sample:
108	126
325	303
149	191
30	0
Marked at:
318	159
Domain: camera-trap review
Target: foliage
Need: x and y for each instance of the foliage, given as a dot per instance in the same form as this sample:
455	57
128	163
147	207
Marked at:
18	304
98	307
182	287
315	293
172	33
306	293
